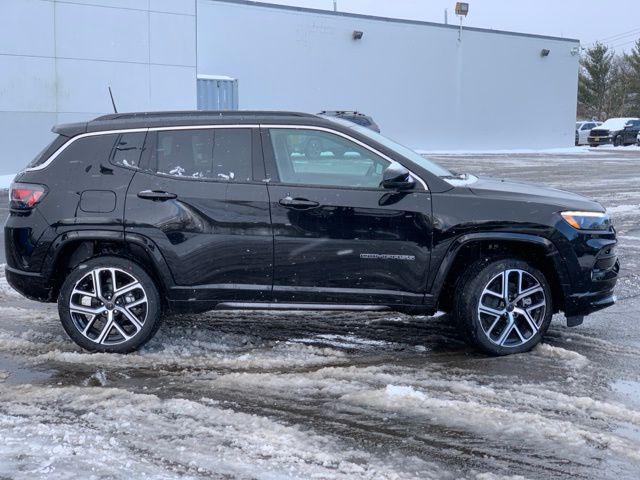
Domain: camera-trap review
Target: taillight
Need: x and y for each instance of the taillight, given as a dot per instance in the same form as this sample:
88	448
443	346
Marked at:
25	196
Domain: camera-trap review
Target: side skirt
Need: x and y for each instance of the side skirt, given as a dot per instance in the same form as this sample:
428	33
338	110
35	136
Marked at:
298	306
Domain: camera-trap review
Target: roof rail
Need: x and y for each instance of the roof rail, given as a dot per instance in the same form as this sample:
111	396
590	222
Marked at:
199	113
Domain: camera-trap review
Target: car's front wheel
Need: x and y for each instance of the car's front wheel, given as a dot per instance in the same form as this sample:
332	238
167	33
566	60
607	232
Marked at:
109	304
503	305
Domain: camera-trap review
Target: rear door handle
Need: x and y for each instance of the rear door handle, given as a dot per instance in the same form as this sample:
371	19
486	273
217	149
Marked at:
298	203
157	196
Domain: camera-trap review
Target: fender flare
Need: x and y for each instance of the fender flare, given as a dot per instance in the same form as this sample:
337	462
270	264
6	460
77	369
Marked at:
435	288
159	262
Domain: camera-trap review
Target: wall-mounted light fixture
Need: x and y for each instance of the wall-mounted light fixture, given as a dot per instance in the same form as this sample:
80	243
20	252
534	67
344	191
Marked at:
357	35
462	10
575	51
545	52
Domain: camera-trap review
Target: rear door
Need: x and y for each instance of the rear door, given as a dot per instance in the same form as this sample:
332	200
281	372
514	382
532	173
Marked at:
196	198
339	237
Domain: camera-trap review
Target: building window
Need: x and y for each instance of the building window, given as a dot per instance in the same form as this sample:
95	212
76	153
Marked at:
217	93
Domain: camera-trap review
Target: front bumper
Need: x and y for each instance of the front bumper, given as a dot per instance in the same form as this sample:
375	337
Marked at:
601	294
598	140
29	284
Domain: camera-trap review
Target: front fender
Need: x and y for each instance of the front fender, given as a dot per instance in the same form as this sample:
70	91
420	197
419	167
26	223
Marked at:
438	280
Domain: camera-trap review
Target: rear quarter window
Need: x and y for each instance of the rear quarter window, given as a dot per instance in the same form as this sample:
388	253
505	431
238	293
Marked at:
47	151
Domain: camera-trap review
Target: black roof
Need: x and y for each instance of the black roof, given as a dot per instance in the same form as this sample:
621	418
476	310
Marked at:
124	121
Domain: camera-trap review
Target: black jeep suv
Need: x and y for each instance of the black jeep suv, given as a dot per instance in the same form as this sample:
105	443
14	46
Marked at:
128	216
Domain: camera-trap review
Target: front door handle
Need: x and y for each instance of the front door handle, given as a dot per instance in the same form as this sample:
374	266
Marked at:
298	203
157	196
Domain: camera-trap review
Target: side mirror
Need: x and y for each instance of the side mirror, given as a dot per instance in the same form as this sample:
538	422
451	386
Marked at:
397	177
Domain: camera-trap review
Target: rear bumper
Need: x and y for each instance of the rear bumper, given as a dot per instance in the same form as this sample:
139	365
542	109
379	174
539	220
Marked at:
29	284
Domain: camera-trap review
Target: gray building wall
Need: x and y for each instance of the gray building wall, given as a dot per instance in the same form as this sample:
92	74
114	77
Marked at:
426	89
58	57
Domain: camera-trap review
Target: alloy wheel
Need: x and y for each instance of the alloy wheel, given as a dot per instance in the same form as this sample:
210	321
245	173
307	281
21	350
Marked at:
512	308
108	306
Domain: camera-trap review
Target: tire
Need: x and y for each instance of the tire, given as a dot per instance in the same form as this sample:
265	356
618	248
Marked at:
617	141
131	317
483	281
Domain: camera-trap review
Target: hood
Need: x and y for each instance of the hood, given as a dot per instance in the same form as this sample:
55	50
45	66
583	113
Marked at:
532	193
614	124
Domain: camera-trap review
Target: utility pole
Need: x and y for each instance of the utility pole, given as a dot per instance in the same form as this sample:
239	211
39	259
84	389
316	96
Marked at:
446	16
335	5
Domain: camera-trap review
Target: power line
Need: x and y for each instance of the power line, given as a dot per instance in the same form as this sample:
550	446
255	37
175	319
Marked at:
622	34
623	44
615	38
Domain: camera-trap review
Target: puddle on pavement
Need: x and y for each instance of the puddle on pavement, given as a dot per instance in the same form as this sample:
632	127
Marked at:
18	374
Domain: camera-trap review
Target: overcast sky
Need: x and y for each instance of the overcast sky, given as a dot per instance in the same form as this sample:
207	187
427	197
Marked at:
615	22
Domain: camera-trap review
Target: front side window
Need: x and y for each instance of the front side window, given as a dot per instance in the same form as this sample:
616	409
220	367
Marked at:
313	157
216	154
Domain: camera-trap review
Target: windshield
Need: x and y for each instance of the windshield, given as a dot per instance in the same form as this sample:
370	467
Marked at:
406	152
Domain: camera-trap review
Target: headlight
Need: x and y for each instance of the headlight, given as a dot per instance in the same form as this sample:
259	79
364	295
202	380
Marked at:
587	220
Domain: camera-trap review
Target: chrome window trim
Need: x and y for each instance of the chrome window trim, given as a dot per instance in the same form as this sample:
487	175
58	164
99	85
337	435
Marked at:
348	137
58	152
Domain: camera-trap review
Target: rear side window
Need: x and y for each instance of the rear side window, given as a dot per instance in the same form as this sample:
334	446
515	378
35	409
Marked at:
128	149
47	151
216	154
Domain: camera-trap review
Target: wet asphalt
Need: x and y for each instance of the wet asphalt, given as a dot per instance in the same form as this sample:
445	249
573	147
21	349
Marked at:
339	395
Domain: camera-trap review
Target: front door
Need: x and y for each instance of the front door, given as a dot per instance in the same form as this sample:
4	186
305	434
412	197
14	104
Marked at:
338	236
197	200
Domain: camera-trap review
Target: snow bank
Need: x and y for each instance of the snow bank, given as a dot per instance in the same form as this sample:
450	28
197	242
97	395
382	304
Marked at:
570	357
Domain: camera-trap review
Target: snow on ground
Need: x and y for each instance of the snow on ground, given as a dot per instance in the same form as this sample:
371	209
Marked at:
331	395
581	150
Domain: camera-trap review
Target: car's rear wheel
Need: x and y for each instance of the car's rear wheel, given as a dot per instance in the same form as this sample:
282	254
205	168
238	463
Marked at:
109	304
504	305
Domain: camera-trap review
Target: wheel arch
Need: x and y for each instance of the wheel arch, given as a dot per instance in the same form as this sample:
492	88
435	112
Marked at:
540	251
71	248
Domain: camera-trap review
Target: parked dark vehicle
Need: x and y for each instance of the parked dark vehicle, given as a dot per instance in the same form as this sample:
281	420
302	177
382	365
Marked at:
611	131
129	216
355	117
629	135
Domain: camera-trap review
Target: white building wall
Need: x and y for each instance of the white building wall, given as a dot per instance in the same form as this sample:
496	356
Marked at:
424	87
58	57
491	90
